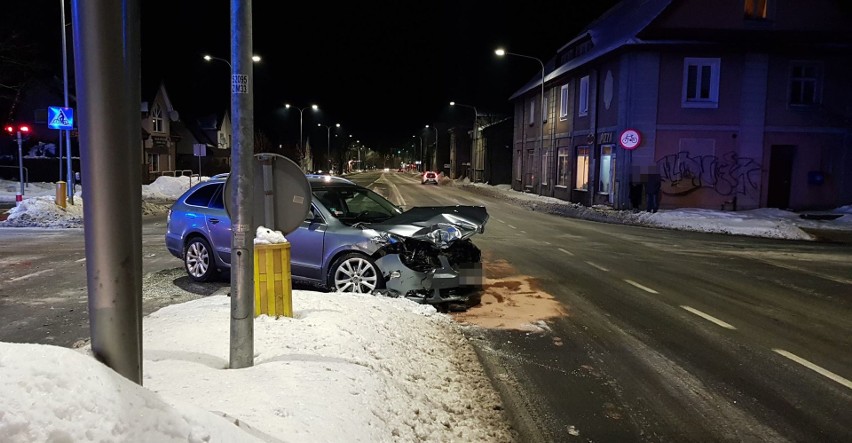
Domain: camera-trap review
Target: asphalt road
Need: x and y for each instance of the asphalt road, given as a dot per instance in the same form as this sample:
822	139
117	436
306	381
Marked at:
660	335
638	334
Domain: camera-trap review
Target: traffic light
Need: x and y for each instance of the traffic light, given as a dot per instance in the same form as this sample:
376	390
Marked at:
14	129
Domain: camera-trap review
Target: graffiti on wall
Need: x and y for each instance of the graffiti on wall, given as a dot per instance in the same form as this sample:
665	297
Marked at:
728	175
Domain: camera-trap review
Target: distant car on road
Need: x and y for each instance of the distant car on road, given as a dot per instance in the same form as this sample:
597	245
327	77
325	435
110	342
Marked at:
354	240
429	177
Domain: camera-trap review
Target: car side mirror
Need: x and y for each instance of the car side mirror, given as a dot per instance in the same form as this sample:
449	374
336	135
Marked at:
313	217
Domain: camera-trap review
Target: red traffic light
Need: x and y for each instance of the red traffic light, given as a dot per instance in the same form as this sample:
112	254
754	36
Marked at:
10	129
24	128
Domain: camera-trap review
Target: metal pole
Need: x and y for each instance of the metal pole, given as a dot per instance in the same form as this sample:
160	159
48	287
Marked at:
541	122
328	144
301	147
107	62
70	185
20	162
242	251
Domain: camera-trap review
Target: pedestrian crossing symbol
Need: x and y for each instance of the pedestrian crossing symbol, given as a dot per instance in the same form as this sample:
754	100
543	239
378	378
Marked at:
60	118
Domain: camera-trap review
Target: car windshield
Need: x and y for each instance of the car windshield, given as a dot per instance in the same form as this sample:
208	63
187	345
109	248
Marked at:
355	205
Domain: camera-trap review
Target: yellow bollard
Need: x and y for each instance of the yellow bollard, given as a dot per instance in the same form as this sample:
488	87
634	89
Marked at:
60	193
273	286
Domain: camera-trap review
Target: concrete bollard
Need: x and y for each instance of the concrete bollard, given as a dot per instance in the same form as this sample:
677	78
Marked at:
60	194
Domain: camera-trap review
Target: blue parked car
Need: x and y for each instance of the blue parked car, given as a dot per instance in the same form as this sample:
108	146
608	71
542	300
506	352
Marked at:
354	240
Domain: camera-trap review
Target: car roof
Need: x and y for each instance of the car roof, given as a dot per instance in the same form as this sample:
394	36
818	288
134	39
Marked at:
313	179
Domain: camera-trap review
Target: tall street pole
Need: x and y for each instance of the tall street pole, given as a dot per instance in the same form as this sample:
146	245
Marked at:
70	174
242	250
107	58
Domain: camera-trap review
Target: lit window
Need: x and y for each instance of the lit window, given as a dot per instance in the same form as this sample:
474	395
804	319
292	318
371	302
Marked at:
545	167
607	166
804	84
582	182
563	167
563	104
156	119
700	82
544	110
756	9
583	105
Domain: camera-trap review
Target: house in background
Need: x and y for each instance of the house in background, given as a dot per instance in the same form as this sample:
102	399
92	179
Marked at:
158	143
734	103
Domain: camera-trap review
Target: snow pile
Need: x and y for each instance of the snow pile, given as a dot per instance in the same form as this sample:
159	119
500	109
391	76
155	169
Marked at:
169	188
266	236
44	212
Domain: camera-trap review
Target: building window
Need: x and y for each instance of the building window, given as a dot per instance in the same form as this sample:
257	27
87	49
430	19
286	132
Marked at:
153	162
582	182
607	163
701	82
545	167
544	110
518	160
563	103
156	119
804	84
563	167
532	112
756	9
530	172
583	105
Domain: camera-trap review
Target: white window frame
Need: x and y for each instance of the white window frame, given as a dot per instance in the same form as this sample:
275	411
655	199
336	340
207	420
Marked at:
563	106
157	119
692	99
544	109
545	167
563	167
583	100
532	112
816	82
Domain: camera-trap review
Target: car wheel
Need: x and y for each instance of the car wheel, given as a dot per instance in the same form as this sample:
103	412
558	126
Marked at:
198	260
355	273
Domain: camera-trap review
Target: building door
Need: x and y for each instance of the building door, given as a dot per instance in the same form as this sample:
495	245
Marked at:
780	176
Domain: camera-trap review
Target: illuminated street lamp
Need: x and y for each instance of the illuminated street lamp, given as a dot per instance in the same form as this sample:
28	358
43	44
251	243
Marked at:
421	150
301	115
208	57
501	52
328	141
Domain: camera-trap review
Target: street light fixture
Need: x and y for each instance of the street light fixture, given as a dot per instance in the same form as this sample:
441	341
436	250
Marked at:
501	53
328	141
301	115
208	57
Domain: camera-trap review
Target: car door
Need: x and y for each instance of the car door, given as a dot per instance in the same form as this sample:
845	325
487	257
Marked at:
219	226
306	247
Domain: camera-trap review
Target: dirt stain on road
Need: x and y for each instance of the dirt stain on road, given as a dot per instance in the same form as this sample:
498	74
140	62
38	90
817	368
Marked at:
511	301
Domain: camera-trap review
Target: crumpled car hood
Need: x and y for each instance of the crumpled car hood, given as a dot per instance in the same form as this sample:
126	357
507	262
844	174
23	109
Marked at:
419	222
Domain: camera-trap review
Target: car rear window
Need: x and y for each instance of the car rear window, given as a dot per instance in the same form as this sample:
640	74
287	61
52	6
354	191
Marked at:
202	195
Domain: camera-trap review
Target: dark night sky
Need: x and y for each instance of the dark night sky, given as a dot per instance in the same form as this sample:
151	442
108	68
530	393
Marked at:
382	69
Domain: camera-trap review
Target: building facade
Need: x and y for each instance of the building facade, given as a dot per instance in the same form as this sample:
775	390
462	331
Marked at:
735	104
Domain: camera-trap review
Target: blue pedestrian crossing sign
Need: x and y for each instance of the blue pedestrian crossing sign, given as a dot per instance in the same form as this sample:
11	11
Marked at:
60	118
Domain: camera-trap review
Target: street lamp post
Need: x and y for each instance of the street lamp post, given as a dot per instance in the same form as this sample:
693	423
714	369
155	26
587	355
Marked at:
208	57
475	132
436	141
328	141
420	156
501	52
301	115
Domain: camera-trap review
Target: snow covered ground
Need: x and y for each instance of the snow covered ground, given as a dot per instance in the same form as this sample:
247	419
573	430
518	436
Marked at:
344	368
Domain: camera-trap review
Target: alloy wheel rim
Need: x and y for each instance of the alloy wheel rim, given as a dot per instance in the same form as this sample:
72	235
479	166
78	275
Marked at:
355	275
197	259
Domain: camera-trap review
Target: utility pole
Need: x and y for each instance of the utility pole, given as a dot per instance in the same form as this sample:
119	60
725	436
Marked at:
107	62
70	173
242	250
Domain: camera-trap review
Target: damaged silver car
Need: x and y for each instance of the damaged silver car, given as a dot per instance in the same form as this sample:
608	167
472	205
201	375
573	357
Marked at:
354	240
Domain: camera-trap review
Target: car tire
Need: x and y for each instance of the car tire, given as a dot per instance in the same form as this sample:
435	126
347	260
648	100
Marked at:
198	260
355	273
